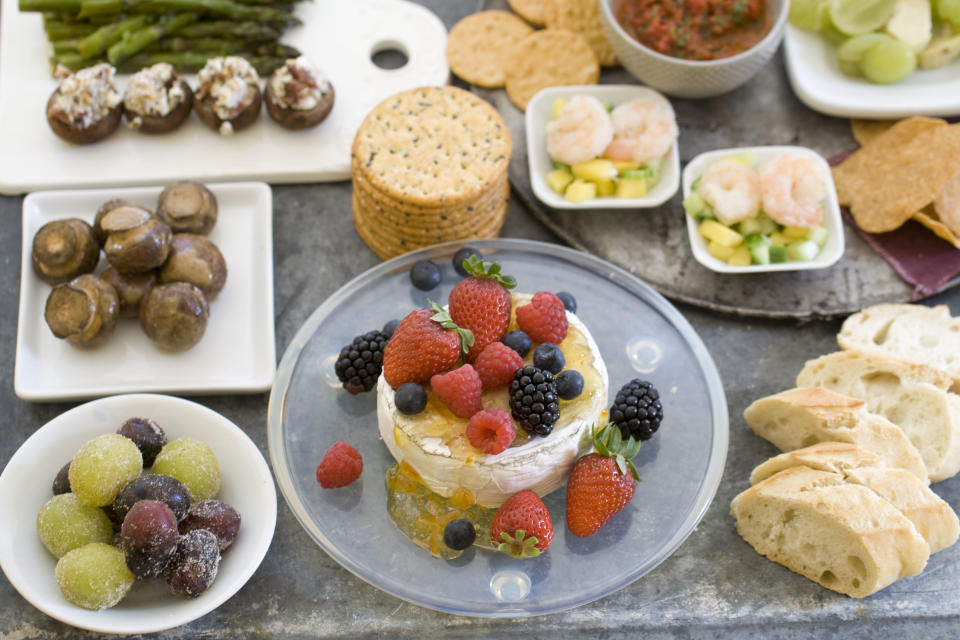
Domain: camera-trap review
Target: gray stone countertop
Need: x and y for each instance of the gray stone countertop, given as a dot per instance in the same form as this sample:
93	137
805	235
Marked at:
713	586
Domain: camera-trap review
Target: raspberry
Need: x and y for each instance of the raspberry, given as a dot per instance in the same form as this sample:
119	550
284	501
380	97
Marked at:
544	319
491	430
340	466
496	365
460	390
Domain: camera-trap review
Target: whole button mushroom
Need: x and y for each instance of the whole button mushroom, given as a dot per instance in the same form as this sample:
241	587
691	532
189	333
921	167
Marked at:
174	315
131	287
104	209
136	241
188	207
64	249
194	259
83	311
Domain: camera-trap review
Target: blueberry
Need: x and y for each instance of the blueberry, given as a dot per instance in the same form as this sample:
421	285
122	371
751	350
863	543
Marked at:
519	342
460	256
569	302
411	398
459	534
390	327
569	384
548	356
425	275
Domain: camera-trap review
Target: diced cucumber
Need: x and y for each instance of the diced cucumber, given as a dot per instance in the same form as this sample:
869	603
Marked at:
646	174
608	106
694	204
740	257
749	226
719	251
558	179
819	235
632	188
767	225
713	230
596	170
802	250
694	188
756	240
778	253
760	254
707	214
559	165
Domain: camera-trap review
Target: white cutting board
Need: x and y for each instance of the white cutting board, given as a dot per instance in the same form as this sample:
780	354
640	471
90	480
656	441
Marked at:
339	36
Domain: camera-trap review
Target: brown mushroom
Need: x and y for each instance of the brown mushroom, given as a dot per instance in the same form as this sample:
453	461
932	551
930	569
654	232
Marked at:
297	96
64	249
174	315
194	259
130	287
157	100
86	106
83	311
187	207
106	207
136	240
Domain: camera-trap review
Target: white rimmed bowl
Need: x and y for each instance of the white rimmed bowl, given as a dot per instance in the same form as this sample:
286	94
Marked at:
25	485
832	220
540	111
692	78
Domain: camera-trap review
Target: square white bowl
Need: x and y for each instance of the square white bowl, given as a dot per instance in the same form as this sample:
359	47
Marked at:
236	354
832	250
540	112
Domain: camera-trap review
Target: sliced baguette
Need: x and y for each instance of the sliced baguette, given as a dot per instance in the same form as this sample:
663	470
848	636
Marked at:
913	332
842	536
933	518
799	418
905	394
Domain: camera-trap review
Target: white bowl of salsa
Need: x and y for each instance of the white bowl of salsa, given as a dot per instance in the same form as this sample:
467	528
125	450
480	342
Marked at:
679	57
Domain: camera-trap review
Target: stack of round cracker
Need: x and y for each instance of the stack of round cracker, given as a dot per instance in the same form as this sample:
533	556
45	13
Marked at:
429	165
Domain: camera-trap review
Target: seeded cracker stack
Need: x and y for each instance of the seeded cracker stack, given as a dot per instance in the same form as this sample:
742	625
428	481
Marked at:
429	165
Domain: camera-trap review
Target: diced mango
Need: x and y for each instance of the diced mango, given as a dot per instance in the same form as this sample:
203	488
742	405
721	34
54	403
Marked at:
580	191
631	188
596	170
606	188
713	230
558	106
797	233
559	179
719	251
740	258
622	165
777	239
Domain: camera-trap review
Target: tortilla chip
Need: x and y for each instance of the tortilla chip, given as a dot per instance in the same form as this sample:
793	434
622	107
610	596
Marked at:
866	130
947	203
927	217
898	173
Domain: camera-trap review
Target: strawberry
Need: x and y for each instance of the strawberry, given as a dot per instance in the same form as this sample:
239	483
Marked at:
481	303
522	525
544	319
460	390
426	342
496	365
491	430
601	483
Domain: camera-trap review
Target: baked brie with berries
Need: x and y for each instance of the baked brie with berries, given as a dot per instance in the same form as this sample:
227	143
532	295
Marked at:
434	441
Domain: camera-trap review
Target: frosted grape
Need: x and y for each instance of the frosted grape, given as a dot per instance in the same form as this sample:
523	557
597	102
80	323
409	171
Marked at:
102	467
192	463
64	524
94	576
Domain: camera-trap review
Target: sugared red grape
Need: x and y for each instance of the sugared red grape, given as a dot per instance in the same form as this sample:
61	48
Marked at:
217	517
94	576
153	486
65	524
102	467
148	538
61	484
193	567
147	435
192	463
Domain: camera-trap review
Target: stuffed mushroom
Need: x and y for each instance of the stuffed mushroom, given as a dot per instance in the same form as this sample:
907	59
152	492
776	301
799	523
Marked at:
157	100
228	97
83	311
87	106
298	96
64	249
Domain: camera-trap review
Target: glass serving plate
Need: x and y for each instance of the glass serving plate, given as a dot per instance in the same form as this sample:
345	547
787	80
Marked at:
639	334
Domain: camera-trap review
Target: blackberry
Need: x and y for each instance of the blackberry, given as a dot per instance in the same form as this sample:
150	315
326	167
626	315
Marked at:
637	410
549	356
459	534
425	275
361	362
533	400
460	256
569	302
519	342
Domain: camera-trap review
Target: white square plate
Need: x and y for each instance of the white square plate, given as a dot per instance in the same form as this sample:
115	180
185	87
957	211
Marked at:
236	354
540	112
831	252
819	83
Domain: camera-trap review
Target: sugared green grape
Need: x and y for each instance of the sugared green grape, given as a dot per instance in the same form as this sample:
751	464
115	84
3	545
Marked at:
808	14
854	17
64	524
192	463
850	53
949	10
94	576
102	467
888	62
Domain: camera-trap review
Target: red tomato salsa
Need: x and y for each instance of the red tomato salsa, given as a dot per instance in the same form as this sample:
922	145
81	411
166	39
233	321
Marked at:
695	29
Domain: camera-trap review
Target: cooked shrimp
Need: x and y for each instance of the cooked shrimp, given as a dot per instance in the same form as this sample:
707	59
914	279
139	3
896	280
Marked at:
643	131
581	131
732	189
792	188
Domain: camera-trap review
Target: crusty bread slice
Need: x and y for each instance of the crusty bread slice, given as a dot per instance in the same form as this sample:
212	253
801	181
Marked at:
842	536
927	413
913	332
798	418
933	518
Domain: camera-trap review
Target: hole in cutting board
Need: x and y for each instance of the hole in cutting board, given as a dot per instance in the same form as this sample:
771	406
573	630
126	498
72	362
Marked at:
389	55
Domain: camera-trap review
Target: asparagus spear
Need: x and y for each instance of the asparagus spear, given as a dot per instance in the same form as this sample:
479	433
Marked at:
67	30
222	47
253	31
192	62
136	40
59	6
101	39
226	8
